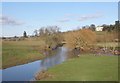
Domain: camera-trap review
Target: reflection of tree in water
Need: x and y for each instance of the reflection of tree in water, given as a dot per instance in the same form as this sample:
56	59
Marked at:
53	57
74	53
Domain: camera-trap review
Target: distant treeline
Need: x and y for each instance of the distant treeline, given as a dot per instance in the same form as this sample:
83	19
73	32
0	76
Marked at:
109	28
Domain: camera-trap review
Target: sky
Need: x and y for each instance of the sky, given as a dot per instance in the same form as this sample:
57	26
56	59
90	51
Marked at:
17	17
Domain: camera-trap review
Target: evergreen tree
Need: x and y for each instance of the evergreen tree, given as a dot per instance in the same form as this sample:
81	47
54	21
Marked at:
24	34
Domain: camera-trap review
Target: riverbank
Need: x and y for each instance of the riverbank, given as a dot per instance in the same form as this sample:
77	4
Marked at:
21	52
85	68
105	48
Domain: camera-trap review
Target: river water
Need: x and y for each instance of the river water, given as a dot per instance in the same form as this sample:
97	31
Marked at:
26	72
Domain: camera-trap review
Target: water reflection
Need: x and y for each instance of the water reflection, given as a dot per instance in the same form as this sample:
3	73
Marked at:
55	57
27	72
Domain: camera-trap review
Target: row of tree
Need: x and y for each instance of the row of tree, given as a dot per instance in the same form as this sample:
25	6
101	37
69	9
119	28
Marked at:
91	27
51	35
81	38
77	39
109	28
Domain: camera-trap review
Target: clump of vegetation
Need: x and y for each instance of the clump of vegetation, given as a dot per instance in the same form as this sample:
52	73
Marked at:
115	27
43	75
51	35
81	39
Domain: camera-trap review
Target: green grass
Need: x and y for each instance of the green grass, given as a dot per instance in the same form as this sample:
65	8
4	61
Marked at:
86	68
99	32
23	43
21	52
109	44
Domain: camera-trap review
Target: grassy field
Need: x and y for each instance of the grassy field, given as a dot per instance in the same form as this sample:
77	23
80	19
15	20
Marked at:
21	52
86	68
109	44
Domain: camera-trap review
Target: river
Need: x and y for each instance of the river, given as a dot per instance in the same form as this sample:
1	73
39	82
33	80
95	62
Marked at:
27	72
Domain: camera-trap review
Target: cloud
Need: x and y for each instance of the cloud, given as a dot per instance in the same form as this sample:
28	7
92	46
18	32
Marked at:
5	20
87	17
63	20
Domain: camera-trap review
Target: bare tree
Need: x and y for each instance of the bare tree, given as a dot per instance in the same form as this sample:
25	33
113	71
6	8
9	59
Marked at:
41	31
36	32
52	35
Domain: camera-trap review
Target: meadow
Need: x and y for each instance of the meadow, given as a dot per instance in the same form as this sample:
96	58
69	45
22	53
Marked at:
31	49
21	52
85	68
